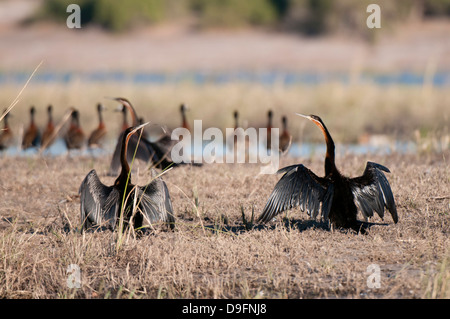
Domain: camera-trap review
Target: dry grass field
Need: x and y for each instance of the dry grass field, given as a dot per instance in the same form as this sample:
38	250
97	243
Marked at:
216	249
213	253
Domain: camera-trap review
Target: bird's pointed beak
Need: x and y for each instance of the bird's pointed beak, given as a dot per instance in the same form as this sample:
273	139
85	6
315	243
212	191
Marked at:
137	128
305	116
314	119
112	98
119	107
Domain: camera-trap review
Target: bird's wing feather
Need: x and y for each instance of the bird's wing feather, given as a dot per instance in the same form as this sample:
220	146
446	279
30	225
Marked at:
372	192
155	203
299	187
98	202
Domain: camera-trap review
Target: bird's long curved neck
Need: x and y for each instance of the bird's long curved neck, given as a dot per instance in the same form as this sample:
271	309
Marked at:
134	117
330	166
123	160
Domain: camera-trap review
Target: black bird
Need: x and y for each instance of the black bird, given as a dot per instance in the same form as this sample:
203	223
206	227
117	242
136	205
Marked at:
100	205
146	151
334	196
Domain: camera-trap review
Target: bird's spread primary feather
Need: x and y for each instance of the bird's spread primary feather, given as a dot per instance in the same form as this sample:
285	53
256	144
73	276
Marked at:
299	187
372	192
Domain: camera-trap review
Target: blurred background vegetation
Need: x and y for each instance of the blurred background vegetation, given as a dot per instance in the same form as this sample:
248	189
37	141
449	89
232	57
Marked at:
309	17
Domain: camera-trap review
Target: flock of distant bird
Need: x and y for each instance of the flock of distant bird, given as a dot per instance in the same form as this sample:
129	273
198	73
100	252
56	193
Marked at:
75	137
334	197
32	137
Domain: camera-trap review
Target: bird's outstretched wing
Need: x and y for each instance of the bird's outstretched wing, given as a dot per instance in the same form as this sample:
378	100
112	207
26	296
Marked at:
372	192
155	203
299	187
99	204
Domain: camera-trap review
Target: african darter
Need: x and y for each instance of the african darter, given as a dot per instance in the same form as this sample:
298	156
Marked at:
335	196
146	151
101	205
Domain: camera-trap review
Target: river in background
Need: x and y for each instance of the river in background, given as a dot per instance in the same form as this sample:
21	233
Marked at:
297	150
438	79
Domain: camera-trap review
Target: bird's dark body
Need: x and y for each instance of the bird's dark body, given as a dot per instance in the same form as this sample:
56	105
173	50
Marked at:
127	193
343	210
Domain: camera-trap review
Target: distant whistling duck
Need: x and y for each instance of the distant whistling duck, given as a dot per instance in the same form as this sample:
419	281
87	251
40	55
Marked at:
48	135
96	137
32	136
75	137
6	135
285	138
269	130
184	122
